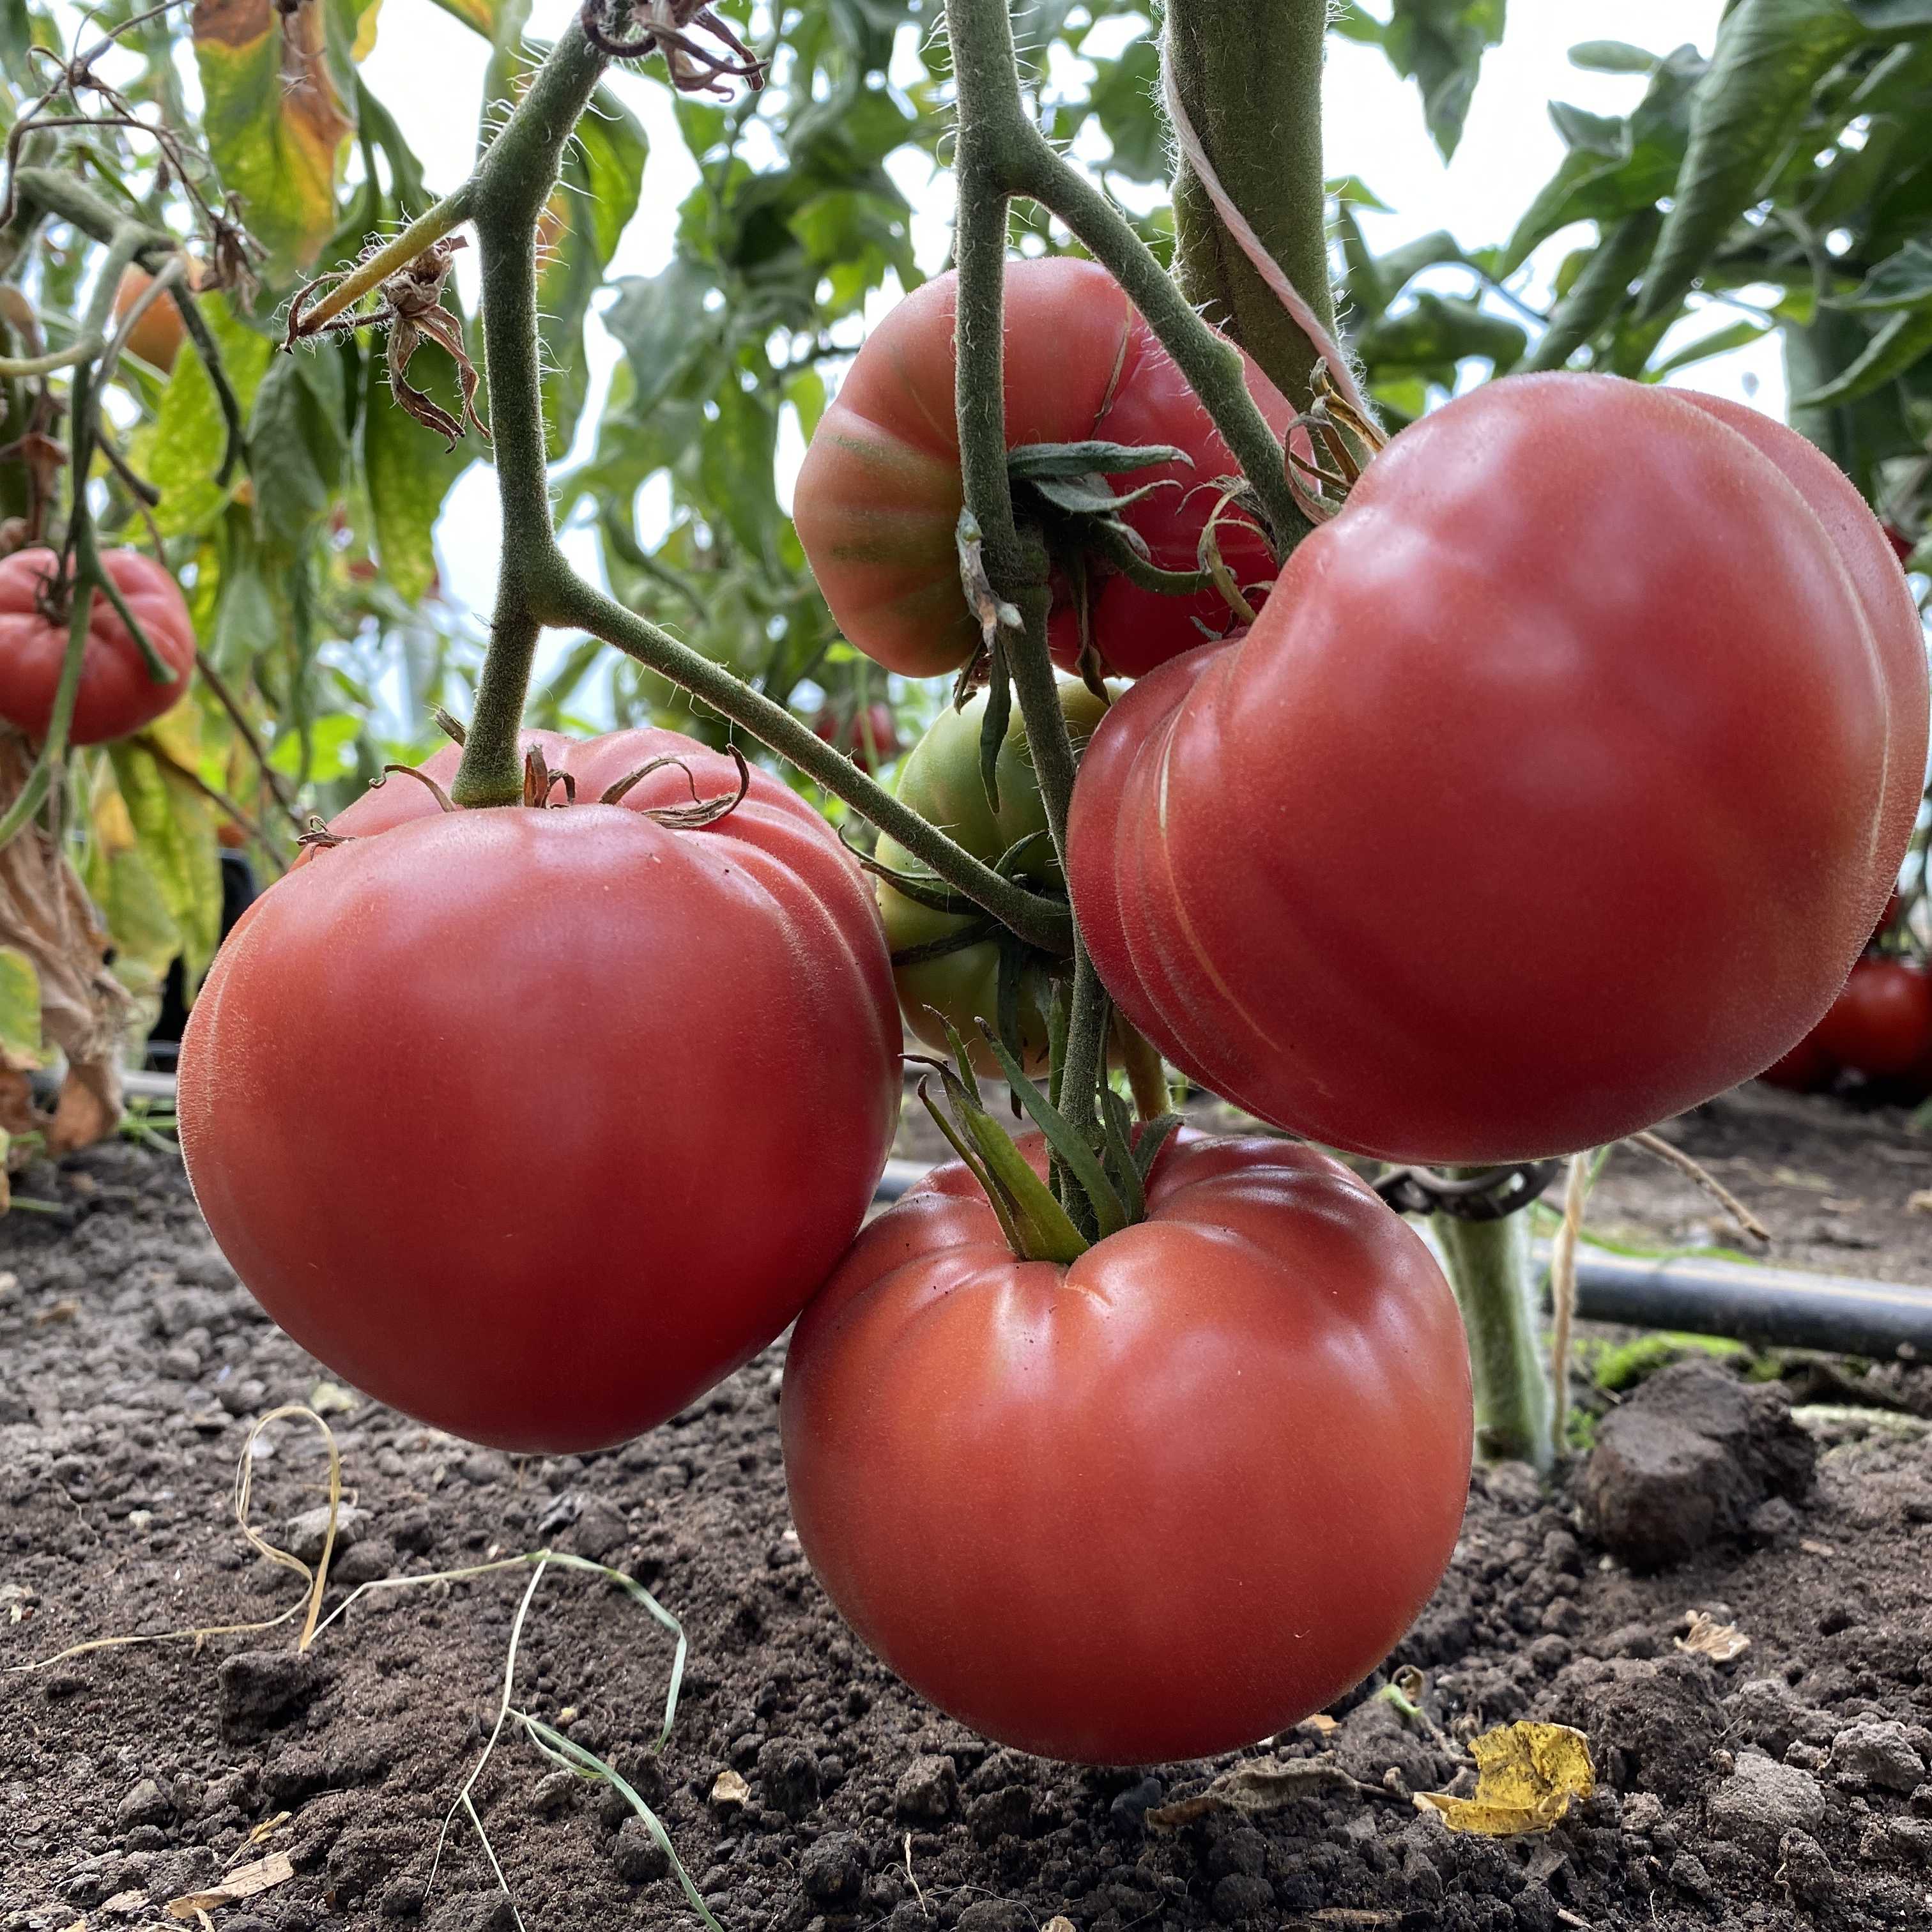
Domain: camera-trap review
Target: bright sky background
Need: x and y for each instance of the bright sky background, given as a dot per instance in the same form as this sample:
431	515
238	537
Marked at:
428	70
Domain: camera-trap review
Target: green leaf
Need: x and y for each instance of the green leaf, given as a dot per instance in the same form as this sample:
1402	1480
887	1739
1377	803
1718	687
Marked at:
735	464
1893	17
1352	23
19	1010
1904	341
661	322
1599	289
480	14
1439	44
175	835
1437	332
1903	281
1612	57
274	119
1353	189
180	451
1122	99
407	470
1771	55
603	173
1719	342
806	392
330	748
296	443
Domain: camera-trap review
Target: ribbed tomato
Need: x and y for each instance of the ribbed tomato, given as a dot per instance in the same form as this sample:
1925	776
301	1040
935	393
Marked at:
1872	562
117	692
1551	794
535	1123
879	496
1158	1504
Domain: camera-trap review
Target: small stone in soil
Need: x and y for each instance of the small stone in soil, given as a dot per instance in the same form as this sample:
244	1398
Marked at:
788	1776
637	1855
832	1873
928	1790
259	1688
1687	1459
1761	1801
1129	1810
303	1536
1881	1753
145	1803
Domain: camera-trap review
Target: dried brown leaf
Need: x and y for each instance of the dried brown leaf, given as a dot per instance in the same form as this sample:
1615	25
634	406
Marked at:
1706	1637
250	1882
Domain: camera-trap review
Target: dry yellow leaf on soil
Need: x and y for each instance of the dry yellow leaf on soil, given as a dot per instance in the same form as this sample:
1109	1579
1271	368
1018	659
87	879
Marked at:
1526	1777
248	1882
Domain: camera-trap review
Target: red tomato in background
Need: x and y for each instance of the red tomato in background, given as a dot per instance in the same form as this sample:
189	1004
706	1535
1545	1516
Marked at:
1881	1024
870	736
1159	1503
535	1124
117	695
1806	1068
879	496
1872	562
1548	797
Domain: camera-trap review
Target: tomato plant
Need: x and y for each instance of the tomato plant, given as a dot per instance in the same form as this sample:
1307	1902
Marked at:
534	1123
1077	1507
1655	754
947	965
118	693
879	496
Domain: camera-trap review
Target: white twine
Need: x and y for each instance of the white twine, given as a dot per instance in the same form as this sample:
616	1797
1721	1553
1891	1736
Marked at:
1270	271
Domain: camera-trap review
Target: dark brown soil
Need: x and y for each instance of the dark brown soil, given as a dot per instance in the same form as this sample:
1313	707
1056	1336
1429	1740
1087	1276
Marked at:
1788	1787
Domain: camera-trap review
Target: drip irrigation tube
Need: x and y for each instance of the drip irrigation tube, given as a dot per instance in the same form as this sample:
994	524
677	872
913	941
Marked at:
1770	1306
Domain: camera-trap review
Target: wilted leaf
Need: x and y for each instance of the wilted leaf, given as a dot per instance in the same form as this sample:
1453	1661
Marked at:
1706	1637
275	120
175	843
1265	1784
1527	1776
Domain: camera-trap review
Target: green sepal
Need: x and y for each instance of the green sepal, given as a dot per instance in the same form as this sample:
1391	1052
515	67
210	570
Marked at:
1110	1213
1154	1135
974	1165
993	725
1036	1227
1045	462
1117	1122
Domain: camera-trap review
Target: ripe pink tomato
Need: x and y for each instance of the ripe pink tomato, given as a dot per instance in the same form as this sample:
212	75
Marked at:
1158	1504
117	695
879	496
1549	796
1872	562
535	1124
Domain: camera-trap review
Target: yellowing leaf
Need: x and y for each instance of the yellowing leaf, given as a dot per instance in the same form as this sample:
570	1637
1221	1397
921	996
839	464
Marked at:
19	1011
275	120
1526	1777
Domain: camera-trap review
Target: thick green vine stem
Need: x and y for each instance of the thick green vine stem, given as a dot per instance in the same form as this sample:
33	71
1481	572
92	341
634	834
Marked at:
1248	76
1488	1267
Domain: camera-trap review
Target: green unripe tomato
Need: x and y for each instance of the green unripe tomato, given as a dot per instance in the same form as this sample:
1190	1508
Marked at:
940	780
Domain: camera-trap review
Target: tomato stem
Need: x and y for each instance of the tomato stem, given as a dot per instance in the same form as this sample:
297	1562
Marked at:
1239	67
1488	1266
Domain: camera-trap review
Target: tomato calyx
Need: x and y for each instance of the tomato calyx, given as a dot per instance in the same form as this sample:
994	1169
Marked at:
1333	428
1035	1214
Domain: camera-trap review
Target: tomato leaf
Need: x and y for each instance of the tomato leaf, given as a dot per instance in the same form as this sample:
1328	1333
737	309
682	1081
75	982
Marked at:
407	471
1771	55
1904	340
20	1038
1601	286
1901	280
1110	1212
1719	342
1612	57
296	442
180	451
275	118
174	827
1439	44
1436	333
1122	100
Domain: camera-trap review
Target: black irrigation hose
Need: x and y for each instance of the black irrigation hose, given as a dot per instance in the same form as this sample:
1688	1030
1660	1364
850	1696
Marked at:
1772	1307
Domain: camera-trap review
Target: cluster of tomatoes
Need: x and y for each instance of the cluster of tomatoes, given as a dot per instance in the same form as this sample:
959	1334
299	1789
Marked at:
1555	787
1879	1028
